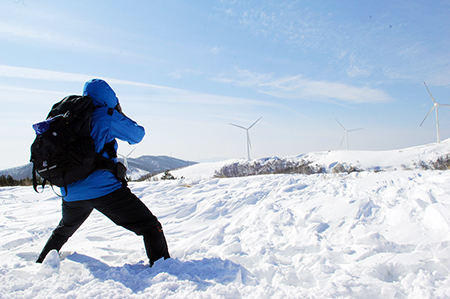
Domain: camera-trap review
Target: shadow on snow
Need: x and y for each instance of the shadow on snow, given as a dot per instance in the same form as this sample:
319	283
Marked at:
138	277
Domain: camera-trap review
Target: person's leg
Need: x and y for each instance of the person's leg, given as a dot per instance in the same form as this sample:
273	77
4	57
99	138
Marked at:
156	246
73	215
127	210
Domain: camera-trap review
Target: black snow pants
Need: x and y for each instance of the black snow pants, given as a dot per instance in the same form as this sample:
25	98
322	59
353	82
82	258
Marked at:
124	209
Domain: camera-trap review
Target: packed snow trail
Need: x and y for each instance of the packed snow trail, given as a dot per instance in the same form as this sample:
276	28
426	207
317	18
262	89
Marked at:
358	235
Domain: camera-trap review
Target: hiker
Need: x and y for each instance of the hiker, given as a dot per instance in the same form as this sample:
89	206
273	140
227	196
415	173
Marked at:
102	190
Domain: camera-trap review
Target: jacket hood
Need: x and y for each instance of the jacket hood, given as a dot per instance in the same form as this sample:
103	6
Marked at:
101	93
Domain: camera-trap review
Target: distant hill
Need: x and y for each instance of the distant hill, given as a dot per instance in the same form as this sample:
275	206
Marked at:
143	165
19	172
137	167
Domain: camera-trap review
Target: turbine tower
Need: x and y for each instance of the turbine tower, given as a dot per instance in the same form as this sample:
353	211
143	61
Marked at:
435	106
249	145
346	133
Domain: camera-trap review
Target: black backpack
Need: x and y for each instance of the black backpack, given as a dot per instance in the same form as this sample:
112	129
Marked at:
64	151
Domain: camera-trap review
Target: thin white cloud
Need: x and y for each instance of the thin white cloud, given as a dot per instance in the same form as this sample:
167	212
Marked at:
296	87
51	38
30	73
285	22
215	50
179	73
357	71
159	93
434	72
24	34
38	74
30	90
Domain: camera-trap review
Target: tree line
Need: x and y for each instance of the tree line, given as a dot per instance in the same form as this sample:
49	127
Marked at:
10	181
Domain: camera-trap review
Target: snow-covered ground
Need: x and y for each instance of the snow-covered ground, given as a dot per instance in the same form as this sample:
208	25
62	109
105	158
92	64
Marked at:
383	234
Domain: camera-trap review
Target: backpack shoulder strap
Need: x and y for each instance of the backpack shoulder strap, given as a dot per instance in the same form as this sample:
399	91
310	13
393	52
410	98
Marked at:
35	184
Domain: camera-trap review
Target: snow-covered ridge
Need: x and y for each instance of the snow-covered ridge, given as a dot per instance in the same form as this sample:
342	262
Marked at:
408	158
431	156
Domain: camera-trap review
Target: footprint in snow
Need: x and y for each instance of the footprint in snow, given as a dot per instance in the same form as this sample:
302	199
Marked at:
51	264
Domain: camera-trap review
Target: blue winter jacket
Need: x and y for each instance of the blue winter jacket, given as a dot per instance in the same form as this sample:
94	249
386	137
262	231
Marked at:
104	128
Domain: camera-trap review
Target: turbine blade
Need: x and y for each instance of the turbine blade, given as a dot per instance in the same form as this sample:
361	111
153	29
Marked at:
343	137
254	123
341	125
447	105
248	140
354	129
130	152
426	116
238	126
429	92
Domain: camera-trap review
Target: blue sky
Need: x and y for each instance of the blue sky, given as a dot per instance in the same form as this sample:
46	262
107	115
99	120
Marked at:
186	69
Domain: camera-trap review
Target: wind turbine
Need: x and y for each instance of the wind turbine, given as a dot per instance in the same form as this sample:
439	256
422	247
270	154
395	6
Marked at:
125	158
346	133
249	145
435	106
